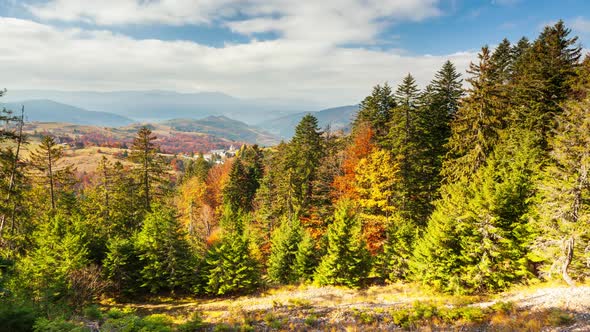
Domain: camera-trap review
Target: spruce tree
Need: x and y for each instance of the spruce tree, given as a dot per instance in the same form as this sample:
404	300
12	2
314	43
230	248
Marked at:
111	203
545	81
13	179
285	244
44	275
305	258
475	129
303	157
376	110
235	193
122	265
392	264
405	143
501	62
244	179
439	104
165	256
564	206
150	168
198	168
270	201
477	237
230	267
519	59
58	179
347	260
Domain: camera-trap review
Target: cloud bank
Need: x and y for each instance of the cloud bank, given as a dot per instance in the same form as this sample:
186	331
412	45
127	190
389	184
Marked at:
307	60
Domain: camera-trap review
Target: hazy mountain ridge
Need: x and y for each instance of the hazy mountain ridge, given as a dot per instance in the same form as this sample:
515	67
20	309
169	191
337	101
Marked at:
268	132
157	105
338	118
43	110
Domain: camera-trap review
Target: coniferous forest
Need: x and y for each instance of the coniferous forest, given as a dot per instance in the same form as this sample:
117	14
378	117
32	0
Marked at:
474	184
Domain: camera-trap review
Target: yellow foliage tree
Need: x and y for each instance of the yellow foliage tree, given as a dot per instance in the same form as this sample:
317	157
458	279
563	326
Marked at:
193	210
375	179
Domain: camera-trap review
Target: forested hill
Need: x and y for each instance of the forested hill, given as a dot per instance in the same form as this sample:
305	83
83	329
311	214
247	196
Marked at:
460	191
224	127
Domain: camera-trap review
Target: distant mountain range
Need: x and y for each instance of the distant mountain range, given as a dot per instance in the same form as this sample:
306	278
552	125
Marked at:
151	106
338	118
213	114
50	111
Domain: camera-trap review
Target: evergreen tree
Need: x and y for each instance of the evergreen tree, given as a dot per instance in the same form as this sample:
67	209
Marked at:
305	257
404	143
13	179
501	63
165	256
110	204
475	129
244	179
235	193
375	110
347	259
564	207
403	118
392	264
56	178
439	104
198	168
230	267
303	157
322	194
519	59
285	244
150	166
271	199
122	265
44	275
546	79
477	237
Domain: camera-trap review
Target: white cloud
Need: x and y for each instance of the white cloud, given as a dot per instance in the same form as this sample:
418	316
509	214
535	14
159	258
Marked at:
118	12
39	56
337	21
581	25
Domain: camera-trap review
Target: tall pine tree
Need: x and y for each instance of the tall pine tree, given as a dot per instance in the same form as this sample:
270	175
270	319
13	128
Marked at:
564	207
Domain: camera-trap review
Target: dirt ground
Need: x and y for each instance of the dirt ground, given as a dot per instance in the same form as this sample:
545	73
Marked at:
378	308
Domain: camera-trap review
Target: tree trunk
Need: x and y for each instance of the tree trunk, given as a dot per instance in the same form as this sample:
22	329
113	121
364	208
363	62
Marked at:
13	170
146	178
568	251
50	175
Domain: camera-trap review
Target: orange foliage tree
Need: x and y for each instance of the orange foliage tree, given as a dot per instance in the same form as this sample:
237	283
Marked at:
360	147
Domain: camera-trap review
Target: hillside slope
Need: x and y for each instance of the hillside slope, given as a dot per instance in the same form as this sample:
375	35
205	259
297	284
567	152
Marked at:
44	110
221	126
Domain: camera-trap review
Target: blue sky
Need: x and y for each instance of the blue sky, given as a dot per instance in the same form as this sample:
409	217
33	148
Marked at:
330	51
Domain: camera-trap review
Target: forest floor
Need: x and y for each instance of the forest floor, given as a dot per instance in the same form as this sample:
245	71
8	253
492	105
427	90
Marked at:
545	307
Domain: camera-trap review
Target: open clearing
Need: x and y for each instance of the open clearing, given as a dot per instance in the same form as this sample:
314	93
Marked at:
547	307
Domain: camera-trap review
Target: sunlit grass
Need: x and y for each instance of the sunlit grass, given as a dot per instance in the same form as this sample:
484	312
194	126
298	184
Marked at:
406	305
